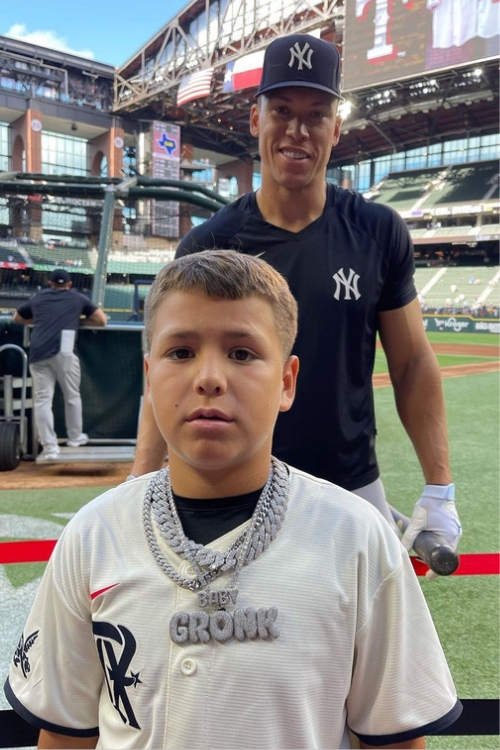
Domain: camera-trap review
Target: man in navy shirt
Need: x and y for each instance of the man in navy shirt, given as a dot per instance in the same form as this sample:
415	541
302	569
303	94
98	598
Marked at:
349	263
56	314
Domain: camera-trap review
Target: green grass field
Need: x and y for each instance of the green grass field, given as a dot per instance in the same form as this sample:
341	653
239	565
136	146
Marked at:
465	609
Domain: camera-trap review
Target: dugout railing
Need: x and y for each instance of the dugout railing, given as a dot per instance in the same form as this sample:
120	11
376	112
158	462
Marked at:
480	717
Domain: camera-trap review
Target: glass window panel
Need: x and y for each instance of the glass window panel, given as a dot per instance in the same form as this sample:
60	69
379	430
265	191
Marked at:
62	154
4	146
362	176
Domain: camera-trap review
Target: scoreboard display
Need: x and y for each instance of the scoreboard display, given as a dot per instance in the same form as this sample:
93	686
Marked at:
391	40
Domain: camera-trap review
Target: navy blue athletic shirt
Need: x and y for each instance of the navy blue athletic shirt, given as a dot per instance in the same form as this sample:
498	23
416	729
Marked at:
53	310
354	261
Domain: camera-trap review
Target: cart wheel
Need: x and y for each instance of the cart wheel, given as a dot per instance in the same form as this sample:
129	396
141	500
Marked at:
10	446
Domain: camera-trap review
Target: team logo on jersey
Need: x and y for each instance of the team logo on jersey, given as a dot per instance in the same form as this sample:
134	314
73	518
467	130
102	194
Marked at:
116	647
21	655
347	283
301	56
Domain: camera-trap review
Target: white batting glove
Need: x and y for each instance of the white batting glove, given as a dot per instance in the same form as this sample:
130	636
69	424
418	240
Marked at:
434	511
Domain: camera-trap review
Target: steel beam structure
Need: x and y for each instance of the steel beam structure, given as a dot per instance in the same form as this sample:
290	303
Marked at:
211	33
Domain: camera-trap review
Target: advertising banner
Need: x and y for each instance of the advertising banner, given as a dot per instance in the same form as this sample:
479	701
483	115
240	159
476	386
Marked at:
166	157
461	324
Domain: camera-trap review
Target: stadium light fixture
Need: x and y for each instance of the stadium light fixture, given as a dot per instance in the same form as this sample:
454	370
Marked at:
345	109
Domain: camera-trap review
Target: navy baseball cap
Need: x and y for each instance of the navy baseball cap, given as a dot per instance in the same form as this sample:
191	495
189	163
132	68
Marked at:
301	60
60	276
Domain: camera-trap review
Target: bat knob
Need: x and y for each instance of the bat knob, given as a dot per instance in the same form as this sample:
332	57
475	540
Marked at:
443	560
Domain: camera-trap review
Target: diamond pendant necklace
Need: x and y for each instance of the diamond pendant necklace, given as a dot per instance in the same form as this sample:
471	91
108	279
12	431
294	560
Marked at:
159	507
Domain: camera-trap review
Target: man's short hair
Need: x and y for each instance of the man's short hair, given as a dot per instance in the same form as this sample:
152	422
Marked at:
226	274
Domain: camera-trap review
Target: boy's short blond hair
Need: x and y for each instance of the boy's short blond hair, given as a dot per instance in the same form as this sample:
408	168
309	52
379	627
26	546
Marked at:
226	274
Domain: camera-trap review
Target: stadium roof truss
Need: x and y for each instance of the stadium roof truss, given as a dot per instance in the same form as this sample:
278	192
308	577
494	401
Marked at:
211	33
386	118
147	84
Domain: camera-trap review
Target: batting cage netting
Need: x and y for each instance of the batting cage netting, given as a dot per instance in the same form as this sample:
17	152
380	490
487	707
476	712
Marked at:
112	236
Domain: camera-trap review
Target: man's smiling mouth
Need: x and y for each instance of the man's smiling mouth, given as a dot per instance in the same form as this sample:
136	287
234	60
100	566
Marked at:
294	154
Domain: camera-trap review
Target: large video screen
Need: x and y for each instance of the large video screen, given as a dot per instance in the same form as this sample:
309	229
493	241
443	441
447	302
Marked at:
390	40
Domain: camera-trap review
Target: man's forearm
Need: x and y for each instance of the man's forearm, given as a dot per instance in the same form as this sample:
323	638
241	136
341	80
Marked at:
421	408
16	318
54	740
151	449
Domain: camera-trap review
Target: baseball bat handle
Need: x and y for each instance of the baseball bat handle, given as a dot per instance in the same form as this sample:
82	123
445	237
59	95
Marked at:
431	548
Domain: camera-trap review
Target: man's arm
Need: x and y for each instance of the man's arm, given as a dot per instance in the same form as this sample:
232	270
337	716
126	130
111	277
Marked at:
416	380
54	740
151	449
98	318
19	319
419	398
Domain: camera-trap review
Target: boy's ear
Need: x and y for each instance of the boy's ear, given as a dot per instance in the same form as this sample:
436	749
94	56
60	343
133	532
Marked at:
290	372
146	377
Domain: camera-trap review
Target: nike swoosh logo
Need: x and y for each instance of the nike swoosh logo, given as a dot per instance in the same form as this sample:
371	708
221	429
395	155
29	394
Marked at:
102	591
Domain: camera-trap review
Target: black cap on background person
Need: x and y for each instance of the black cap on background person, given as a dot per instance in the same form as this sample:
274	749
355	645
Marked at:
60	277
301	60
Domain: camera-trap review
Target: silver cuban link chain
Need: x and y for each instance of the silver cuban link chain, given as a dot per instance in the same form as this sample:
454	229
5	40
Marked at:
159	507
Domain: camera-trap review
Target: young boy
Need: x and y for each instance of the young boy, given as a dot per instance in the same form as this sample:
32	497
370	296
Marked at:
228	601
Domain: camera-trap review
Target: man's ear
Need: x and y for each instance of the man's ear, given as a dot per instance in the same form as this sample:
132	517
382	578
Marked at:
336	131
254	120
290	372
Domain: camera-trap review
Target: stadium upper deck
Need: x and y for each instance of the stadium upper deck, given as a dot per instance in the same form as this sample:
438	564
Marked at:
60	114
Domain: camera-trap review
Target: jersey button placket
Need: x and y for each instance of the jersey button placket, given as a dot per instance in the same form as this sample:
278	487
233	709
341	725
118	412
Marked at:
188	667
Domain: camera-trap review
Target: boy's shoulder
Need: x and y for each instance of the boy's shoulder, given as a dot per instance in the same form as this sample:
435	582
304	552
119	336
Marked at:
346	519
337	528
118	507
324	492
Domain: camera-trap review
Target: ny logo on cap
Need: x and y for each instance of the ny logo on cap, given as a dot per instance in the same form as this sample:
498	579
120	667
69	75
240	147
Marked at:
300	56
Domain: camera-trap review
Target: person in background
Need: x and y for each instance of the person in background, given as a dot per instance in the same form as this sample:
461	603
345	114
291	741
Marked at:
56	314
349	263
229	600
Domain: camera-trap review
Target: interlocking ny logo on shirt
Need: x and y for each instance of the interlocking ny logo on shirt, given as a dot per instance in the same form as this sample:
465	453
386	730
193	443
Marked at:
349	284
299	55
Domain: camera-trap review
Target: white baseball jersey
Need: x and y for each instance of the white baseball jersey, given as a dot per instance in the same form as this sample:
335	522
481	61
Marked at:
488	18
330	633
454	22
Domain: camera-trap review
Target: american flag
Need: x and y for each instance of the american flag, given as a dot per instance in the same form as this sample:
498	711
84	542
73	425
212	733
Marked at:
194	86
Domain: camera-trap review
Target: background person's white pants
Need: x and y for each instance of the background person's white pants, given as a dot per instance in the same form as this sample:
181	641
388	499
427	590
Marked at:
65	370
